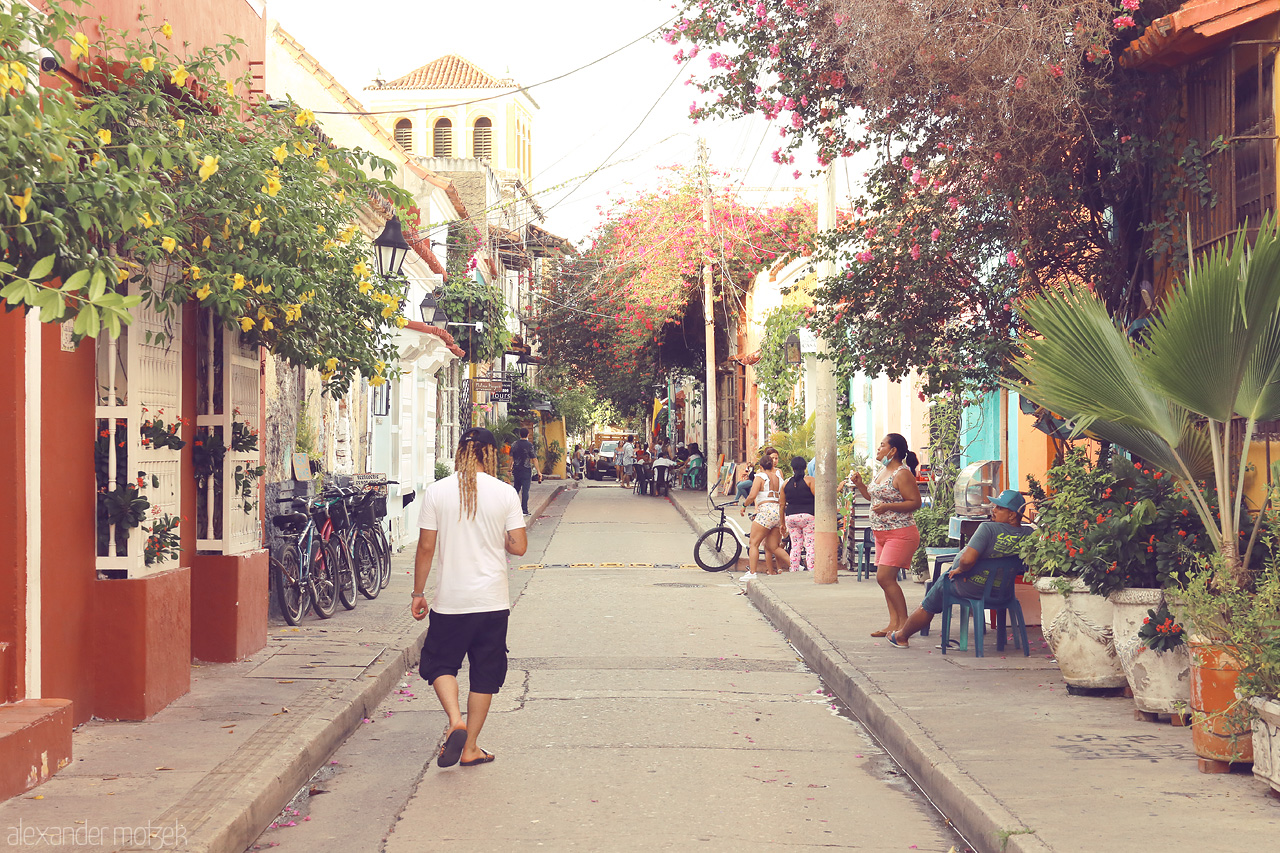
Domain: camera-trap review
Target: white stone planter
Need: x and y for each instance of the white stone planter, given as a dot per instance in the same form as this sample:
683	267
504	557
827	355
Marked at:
1160	681
1266	741
1077	626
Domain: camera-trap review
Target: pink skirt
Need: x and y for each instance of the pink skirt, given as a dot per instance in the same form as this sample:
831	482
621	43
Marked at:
896	547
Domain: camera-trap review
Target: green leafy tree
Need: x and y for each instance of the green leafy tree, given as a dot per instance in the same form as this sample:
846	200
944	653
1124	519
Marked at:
161	175
1011	150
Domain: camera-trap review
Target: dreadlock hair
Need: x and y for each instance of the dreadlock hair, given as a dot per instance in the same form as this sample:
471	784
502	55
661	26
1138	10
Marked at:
477	451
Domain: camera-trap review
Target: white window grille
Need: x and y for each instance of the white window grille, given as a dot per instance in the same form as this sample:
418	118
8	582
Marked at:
482	139
404	134
139	392
446	412
442	138
228	372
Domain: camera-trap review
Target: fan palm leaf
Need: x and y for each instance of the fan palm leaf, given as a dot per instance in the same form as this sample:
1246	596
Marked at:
1213	354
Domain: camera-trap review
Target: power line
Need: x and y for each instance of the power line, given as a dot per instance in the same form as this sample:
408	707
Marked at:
633	132
504	94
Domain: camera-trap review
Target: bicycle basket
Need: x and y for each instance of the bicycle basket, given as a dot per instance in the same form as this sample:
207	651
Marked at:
338	513
379	506
319	514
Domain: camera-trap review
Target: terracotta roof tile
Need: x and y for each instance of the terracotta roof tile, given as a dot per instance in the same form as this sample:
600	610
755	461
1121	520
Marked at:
447	72
1193	30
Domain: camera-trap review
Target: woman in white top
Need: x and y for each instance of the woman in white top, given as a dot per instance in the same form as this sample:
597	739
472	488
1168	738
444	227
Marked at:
766	494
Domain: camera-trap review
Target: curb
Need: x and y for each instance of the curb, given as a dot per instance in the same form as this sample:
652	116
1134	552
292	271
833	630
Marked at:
698	527
252	796
974	811
248	798
542	507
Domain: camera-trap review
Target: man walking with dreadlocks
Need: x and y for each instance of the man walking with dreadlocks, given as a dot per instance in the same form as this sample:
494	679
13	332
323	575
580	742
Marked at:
470	517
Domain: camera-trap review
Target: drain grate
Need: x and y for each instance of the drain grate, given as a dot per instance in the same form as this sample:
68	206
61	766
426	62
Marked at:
683	585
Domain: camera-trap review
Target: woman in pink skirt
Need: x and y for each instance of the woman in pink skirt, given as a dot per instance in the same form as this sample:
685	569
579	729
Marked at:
894	498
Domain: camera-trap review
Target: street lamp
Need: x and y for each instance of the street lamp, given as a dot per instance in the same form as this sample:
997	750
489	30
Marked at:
391	248
432	313
793	349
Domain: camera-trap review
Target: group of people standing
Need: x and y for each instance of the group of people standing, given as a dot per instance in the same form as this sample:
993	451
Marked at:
778	502
894	496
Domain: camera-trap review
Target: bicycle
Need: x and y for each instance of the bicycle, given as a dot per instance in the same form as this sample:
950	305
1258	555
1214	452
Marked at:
369	548
337	523
721	546
304	570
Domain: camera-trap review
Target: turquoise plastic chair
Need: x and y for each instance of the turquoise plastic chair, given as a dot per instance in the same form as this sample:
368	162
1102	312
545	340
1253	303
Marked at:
997	595
693	476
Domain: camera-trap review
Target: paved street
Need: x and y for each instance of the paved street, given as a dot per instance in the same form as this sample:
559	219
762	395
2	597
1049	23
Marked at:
645	709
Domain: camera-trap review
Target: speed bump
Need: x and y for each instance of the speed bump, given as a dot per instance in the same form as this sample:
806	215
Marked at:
582	565
641	565
690	566
612	565
529	567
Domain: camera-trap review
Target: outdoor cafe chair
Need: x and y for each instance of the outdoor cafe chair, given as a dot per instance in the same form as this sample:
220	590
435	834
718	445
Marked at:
1001	572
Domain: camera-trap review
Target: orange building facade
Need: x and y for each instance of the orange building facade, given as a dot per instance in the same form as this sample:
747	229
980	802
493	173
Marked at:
85	633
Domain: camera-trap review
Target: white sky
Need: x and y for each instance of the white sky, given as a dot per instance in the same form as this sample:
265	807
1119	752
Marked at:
582	117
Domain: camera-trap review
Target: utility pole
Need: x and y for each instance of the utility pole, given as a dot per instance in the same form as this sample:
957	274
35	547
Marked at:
826	541
708	310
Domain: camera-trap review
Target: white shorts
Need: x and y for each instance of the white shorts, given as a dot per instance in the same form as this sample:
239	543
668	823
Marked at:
768	515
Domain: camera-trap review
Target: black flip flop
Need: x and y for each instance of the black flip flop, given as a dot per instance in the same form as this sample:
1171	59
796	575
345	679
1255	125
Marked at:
484	759
452	750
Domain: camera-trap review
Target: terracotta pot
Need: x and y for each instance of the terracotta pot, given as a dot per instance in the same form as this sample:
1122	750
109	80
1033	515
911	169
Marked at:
1160	681
1266	741
1216	733
1077	626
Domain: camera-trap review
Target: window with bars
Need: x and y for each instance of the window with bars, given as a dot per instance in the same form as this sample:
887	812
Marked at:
1231	96
137	461
226	455
404	134
447	412
482	139
442	138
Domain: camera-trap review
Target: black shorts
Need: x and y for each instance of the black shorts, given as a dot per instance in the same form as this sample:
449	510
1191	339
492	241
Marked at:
482	637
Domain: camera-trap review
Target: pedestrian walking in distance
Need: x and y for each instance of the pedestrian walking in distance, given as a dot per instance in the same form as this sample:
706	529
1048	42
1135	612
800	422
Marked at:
523	470
471	518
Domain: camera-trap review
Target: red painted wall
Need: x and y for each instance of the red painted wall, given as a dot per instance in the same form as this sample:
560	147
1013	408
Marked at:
67	522
142	656
13	511
200	24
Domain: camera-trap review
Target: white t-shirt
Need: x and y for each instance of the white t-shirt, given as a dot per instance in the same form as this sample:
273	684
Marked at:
471	552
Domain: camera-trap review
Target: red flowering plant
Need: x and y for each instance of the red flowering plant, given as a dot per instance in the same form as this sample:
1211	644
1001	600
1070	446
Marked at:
1114	526
1159	631
163	540
632	298
160	435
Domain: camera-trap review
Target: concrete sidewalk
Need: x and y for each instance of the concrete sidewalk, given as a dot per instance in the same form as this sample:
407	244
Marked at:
211	771
998	744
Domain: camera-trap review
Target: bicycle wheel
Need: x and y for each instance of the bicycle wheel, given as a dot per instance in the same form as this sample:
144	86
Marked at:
324	589
291	592
384	552
717	549
368	569
346	570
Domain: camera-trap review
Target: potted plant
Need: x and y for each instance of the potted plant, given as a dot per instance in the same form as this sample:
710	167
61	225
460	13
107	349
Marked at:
1076	622
1175	403
1144	540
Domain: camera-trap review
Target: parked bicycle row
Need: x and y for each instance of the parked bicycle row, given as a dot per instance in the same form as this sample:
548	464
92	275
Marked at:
334	547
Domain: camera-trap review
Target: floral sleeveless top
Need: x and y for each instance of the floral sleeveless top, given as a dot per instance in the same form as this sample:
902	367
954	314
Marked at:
886	492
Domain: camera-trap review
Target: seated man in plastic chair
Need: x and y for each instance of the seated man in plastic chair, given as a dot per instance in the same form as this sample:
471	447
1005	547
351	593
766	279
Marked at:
996	538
